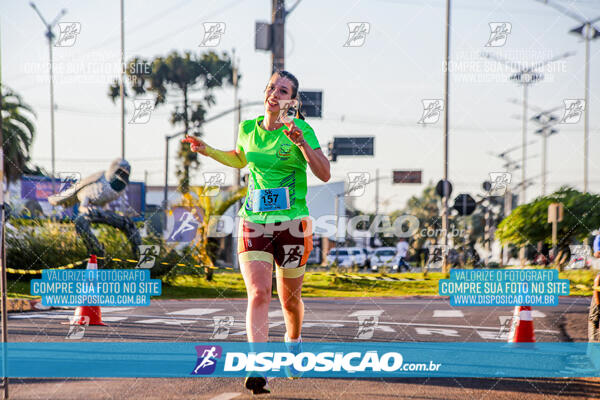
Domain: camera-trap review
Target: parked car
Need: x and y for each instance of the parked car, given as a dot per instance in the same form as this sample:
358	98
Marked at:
368	253
341	256
359	256
383	256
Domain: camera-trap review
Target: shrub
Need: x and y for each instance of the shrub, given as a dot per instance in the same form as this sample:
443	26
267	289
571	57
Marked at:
43	244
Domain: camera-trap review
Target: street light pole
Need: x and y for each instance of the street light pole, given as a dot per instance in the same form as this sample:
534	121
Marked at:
588	33
3	253
446	106
50	36
122	83
278	26
526	75
524	145
236	173
586	116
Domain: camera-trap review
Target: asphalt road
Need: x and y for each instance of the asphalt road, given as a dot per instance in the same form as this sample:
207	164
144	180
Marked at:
332	319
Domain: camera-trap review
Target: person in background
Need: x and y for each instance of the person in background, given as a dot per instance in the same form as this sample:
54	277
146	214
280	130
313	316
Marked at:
596	247
594	313
401	252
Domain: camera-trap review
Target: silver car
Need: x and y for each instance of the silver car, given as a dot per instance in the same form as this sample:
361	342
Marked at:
341	256
383	256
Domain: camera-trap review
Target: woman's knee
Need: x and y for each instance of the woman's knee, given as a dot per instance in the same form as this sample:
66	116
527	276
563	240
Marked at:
292	303
259	296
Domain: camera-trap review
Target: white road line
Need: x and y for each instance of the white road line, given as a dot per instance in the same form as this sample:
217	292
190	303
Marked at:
537	314
275	313
437	331
113	319
225	396
165	321
353	321
271	325
115	309
495	328
368	313
385	303
448	314
503	336
195	311
40	315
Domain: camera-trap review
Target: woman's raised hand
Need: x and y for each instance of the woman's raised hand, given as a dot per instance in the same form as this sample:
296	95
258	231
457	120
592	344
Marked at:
294	134
196	145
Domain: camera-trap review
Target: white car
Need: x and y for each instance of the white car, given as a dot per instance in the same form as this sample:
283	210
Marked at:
359	257
341	256
383	256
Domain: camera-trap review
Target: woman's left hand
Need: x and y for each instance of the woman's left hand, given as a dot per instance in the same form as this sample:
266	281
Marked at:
294	134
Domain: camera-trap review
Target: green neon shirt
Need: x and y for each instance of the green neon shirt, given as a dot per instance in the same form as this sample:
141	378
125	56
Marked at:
275	161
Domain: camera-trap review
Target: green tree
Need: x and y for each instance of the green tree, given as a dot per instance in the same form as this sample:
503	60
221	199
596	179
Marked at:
18	132
528	223
179	76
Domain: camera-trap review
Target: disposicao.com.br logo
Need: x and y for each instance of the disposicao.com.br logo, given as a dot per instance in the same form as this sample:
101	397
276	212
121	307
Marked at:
351	362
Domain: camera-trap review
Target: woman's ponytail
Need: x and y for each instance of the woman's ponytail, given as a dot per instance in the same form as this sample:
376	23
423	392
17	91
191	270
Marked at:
298	113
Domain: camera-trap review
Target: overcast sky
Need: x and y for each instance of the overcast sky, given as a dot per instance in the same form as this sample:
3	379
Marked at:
372	90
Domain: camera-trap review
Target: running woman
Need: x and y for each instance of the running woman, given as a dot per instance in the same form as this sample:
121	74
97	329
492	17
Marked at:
275	225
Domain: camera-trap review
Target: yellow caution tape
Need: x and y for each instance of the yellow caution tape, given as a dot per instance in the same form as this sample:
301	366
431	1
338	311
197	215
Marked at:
73	265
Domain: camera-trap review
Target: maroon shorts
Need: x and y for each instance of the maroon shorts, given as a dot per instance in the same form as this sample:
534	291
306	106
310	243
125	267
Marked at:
288	243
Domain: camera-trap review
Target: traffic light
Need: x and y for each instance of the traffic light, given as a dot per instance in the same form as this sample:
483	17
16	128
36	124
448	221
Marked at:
331	153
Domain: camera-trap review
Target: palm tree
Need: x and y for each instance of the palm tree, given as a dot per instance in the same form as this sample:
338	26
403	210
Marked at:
18	133
210	207
177	77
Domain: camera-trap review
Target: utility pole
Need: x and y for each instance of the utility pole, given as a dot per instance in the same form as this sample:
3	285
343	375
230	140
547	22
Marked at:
525	75
524	140
588	32
377	191
278	28
547	122
236	174
50	37
122	83
238	115
546	132
446	106
3	252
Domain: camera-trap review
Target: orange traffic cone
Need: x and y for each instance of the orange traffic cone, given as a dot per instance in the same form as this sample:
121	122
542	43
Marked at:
92	312
522	327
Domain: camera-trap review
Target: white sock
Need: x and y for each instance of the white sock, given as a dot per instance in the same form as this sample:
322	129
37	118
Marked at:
288	340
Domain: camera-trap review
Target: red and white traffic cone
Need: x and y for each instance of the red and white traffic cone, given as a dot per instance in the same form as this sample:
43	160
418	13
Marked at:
522	327
92	312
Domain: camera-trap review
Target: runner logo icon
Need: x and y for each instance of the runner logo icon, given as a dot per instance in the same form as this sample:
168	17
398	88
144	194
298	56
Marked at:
207	359
293	255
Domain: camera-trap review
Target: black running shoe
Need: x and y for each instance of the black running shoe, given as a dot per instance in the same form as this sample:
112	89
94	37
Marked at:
257	384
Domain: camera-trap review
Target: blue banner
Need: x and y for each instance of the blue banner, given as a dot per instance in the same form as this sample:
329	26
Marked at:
311	359
104	287
494	287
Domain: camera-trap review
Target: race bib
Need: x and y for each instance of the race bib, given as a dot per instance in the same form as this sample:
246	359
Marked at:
265	200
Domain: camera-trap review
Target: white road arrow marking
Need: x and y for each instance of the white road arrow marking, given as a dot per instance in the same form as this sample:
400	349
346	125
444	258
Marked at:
448	314
366	312
538	314
437	331
165	321
503	336
195	311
